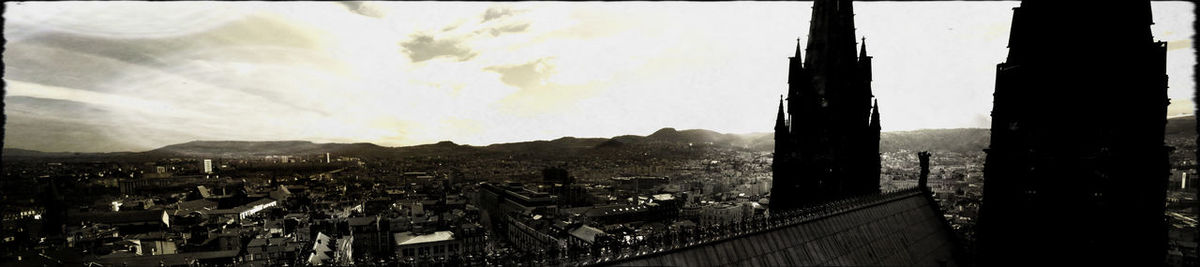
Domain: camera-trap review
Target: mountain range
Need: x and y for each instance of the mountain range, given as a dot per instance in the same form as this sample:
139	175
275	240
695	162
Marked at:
964	140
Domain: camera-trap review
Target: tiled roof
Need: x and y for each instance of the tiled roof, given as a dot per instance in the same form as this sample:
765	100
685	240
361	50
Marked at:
407	238
121	217
168	260
898	229
587	233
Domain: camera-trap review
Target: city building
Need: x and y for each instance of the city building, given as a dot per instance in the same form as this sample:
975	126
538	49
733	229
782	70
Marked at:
371	235
510	210
533	233
208	166
267	251
436	244
827	139
128	221
584	236
1077	168
640	184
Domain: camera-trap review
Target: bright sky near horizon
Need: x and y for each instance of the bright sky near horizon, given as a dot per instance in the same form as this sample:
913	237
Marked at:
133	76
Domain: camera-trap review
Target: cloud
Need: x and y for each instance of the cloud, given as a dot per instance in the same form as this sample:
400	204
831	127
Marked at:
131	20
49	107
1179	44
496	13
497	31
364	8
59	125
528	76
55	135
453	44
263	77
474	73
462	40
501	20
424	47
96	60
538	93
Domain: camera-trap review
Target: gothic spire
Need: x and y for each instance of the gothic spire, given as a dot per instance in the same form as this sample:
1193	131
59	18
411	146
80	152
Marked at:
862	53
780	121
831	35
875	115
798	48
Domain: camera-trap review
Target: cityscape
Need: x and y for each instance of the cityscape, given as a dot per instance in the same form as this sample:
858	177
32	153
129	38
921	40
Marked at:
135	144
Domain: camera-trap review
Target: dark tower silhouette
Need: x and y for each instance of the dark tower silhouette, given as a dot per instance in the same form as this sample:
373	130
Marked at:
923	181
827	139
1077	169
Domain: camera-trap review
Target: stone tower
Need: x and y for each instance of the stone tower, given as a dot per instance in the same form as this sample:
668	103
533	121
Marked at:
1077	169
827	138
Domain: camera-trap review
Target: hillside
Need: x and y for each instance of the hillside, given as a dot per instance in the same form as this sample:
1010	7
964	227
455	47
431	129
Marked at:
1181	126
938	140
234	149
1180	132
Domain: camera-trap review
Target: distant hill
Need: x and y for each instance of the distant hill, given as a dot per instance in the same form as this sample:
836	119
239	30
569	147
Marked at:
240	149
439	148
1179	132
549	146
1184	126
940	140
754	141
17	152
25	153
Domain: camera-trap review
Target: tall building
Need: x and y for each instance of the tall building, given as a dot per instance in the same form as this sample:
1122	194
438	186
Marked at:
208	166
1077	169
827	139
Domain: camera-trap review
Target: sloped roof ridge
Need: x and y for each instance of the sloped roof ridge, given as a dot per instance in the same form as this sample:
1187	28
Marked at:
765	224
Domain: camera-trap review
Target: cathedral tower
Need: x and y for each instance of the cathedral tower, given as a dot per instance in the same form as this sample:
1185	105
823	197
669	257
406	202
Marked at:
1077	169
827	138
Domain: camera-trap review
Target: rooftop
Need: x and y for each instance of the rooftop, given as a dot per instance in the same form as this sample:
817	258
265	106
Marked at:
902	228
587	233
407	238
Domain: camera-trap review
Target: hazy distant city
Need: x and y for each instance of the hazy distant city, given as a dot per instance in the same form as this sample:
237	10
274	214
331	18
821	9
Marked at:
804	194
283	196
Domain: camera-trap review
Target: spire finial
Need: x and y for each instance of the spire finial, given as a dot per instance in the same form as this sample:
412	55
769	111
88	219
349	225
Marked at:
780	119
798	55
862	53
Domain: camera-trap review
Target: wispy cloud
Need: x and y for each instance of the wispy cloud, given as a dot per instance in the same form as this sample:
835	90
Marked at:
364	8
424	47
526	76
109	76
496	13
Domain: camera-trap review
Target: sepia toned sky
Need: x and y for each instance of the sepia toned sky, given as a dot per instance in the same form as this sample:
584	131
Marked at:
133	76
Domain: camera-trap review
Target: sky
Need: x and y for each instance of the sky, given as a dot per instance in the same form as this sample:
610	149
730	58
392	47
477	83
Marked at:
134	76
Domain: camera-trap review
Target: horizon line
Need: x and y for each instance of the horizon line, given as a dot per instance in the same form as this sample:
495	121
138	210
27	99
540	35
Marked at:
498	143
